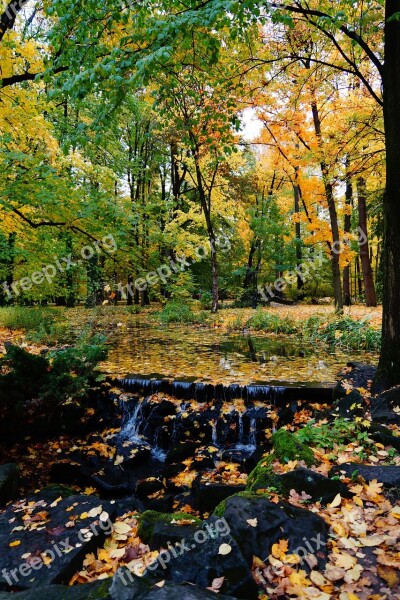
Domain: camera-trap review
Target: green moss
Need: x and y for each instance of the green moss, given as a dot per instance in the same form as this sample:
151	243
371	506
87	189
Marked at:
149	518
262	476
287	447
221	508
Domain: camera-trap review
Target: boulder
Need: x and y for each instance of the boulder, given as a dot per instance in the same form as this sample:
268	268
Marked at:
382	434
305	531
314	484
349	406
287	447
182	451
383	406
357	374
156	526
64	531
87	591
388	475
147	487
126	586
9	481
201	558
209	495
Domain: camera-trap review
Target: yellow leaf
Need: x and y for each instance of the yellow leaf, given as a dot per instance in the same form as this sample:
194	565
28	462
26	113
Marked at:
344	560
336	501
13	544
389	575
279	550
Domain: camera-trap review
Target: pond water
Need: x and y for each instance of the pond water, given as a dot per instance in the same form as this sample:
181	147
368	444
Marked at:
181	352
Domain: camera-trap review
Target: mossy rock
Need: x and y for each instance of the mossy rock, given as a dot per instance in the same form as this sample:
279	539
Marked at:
262	476
150	518
287	447
220	509
98	590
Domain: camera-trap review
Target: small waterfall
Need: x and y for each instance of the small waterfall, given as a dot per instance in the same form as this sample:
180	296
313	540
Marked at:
157	452
247	443
214	437
252	441
241	430
131	425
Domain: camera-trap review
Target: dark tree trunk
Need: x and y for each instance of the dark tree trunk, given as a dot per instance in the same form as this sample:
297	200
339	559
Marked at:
205	201
70	299
249	276
368	279
299	257
5	297
389	363
337	282
346	228
94	282
359	285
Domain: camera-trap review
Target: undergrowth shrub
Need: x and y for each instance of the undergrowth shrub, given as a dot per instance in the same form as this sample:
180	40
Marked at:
180	312
266	321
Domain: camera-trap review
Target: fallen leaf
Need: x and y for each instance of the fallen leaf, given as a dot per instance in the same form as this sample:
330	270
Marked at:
224	549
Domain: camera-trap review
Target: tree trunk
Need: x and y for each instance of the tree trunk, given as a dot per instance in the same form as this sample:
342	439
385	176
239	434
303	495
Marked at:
389	363
369	287
205	201
346	228
70	299
337	282
299	257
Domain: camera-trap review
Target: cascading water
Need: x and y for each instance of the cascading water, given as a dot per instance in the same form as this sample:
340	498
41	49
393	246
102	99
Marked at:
225	416
131	425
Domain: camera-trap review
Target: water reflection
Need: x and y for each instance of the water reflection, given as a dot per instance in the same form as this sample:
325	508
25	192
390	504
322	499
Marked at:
181	352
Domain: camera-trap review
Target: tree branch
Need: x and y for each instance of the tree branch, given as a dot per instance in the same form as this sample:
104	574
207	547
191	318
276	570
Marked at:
343	28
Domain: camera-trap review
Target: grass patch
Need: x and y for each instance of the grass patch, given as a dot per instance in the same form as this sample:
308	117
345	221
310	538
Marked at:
265	321
344	333
180	312
27	318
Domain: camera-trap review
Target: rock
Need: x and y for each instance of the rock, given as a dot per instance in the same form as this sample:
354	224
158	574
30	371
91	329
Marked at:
126	586
133	454
53	491
389	476
147	487
9	481
209	554
209	495
305	531
349	406
314	484
287	447
153	524
45	531
357	374
383	407
181	452
382	434
163	503
87	591
130	504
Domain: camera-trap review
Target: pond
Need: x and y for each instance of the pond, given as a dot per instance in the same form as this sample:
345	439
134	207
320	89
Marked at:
203	354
